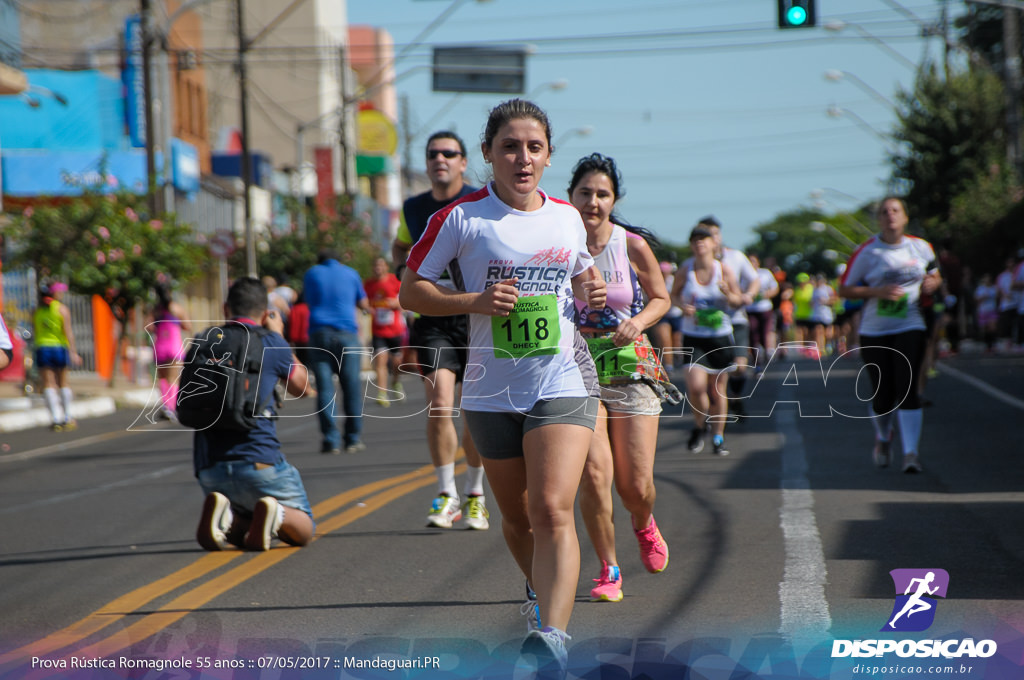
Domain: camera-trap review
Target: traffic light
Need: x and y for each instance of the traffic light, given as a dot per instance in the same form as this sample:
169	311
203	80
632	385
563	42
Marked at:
797	14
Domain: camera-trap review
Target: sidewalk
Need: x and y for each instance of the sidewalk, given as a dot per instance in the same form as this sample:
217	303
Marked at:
93	397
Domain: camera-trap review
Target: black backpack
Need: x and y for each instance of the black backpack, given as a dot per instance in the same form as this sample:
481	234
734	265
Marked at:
219	382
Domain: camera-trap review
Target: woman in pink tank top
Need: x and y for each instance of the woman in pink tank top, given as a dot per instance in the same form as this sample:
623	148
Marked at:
168	348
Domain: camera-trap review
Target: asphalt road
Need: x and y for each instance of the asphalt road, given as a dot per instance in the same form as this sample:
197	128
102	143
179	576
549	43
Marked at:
776	550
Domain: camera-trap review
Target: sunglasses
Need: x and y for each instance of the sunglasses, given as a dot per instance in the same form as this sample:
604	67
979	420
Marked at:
447	153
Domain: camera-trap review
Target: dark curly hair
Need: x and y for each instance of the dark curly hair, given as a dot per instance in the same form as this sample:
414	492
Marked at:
605	165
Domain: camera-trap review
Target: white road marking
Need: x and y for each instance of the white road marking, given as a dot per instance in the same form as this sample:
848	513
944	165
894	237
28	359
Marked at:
983	386
804	609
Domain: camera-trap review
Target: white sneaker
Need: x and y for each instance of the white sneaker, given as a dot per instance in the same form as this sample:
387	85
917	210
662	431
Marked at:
266	520
474	510
214	523
911	464
444	512
547	646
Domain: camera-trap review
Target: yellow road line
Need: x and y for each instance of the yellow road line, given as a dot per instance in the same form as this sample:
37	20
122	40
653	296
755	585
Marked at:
116	609
123	606
187	603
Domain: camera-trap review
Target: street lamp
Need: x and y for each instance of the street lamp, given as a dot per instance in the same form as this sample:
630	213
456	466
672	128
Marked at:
819	200
554	85
838	25
582	131
835	75
822	227
838	112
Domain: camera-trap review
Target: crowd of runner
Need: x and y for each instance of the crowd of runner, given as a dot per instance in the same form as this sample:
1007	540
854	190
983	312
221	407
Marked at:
549	325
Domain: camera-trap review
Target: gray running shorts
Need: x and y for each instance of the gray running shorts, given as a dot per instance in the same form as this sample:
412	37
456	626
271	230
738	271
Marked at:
499	435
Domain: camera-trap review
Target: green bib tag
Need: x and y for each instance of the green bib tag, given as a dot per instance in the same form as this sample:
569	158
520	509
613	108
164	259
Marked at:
894	309
530	330
709	318
612	362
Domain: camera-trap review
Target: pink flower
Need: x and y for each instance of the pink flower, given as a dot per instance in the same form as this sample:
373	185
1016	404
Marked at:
137	249
100	257
28	212
104	232
116	254
130	214
157	225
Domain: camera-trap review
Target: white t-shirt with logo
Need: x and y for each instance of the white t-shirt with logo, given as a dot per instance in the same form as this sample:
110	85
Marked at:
745	275
1008	297
768	284
514	361
877	263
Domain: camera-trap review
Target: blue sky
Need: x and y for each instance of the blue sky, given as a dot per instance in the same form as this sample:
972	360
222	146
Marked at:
706	106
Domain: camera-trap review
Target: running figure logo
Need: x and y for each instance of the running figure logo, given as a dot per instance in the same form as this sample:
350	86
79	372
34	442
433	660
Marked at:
914	609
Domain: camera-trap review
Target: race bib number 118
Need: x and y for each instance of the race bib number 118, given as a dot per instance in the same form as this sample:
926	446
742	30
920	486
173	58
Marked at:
530	330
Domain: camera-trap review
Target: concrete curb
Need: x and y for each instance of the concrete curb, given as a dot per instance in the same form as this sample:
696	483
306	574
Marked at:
39	416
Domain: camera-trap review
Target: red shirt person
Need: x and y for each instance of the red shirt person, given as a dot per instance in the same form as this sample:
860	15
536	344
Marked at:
388	328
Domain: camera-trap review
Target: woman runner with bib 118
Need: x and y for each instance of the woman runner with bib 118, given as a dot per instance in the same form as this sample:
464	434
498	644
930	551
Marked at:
518	257
706	290
627	424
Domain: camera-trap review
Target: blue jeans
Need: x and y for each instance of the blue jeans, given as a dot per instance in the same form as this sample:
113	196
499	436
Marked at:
243	484
340	353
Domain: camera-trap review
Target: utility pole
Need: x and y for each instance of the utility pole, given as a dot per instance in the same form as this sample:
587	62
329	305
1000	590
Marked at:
405	114
1011	48
145	21
347	153
246	160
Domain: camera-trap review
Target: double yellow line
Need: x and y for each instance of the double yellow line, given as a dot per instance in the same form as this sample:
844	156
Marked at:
385	490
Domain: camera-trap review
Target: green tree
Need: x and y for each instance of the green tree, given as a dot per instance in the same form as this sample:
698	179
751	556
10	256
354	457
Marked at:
949	135
287	256
807	240
106	245
980	29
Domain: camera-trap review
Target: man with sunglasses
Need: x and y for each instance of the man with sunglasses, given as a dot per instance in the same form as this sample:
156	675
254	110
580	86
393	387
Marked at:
441	345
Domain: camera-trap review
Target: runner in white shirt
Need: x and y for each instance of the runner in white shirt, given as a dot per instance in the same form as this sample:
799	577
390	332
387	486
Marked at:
761	313
706	290
517	257
749	285
890	271
1007	305
986	310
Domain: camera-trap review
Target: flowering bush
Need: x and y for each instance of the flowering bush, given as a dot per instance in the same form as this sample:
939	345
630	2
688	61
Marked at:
105	244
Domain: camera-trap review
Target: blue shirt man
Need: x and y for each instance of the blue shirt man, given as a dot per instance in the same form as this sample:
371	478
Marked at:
334	292
253	495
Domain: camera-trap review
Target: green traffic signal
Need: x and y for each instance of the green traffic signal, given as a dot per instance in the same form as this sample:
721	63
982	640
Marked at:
797	13
796	16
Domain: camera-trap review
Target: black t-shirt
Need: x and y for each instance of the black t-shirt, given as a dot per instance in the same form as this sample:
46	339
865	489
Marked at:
418	209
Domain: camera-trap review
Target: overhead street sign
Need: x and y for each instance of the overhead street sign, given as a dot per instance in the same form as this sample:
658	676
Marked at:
501	70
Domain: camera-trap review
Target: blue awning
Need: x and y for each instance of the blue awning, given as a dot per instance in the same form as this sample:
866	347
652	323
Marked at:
68	173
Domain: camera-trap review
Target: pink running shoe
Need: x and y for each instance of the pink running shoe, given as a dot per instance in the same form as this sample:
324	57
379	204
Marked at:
653	549
609	585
